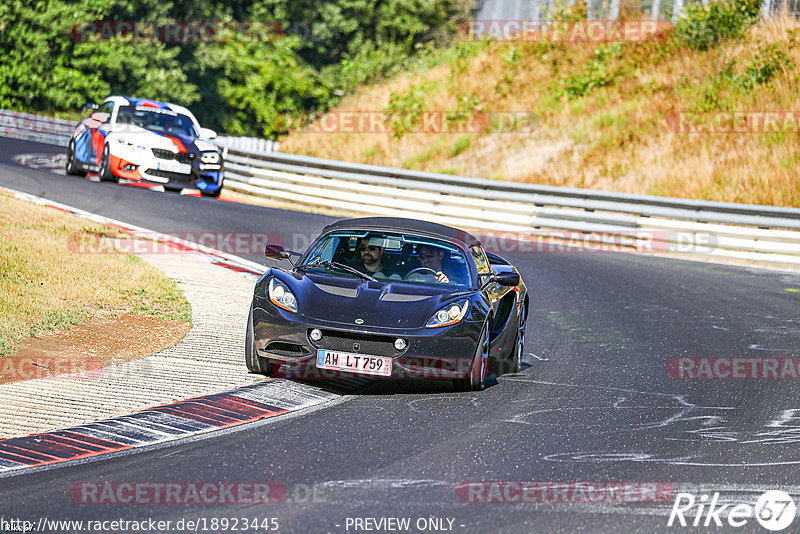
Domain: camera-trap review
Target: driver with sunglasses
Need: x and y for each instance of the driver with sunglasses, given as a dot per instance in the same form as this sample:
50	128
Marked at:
431	258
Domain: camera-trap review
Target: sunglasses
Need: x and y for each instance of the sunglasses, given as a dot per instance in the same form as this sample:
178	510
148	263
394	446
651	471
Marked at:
427	254
371	248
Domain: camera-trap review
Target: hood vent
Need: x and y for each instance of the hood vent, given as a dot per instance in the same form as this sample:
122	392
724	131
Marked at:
400	297
351	292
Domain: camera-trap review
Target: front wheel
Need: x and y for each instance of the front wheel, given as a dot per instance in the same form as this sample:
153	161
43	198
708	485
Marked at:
519	349
105	167
476	380
254	362
212	194
72	167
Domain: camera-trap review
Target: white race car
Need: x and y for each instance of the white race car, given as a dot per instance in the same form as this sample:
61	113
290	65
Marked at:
148	141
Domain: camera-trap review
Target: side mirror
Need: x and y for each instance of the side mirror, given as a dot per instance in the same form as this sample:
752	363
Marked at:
275	252
507	279
504	279
207	133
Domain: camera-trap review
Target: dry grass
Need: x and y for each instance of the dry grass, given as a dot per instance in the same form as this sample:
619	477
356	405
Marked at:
45	284
616	137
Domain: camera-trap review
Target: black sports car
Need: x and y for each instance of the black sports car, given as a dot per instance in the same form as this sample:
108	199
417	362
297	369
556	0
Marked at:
389	297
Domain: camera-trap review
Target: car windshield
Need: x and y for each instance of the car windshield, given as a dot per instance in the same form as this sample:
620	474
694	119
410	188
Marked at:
402	258
159	120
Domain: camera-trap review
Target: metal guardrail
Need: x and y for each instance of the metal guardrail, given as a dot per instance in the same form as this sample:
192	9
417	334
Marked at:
704	228
253	144
530	211
36	127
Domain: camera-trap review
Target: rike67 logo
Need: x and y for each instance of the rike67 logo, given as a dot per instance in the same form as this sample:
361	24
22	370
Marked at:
774	510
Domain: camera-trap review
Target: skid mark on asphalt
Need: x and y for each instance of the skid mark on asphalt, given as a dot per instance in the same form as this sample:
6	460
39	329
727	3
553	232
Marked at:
718	439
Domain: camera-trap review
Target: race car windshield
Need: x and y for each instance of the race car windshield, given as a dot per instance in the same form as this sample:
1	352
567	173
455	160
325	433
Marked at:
157	120
390	257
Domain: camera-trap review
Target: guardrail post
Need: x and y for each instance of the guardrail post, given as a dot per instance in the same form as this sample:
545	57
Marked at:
656	10
614	10
677	10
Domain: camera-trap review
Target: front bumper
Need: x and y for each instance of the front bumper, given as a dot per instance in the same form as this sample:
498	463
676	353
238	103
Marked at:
141	165
431	353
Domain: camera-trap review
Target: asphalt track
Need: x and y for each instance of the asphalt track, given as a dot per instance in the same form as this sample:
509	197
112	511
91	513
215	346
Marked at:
594	403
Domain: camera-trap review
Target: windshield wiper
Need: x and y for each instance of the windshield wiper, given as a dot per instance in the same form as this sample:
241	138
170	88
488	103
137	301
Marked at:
337	265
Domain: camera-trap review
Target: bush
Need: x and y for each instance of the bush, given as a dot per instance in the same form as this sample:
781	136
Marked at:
704	26
596	74
405	109
766	63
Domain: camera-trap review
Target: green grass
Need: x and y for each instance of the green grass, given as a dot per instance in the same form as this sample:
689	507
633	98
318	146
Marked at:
462	143
47	283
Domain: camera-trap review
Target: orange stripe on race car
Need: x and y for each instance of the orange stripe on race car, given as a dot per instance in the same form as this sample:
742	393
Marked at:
116	168
97	144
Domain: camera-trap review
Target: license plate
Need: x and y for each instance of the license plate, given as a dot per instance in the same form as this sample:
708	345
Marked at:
173	166
354	363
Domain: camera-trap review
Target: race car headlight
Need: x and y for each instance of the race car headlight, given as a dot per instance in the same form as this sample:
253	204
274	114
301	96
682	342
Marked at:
210	157
450	314
281	296
128	144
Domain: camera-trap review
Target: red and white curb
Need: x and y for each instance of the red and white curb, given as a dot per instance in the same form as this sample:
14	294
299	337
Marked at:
160	424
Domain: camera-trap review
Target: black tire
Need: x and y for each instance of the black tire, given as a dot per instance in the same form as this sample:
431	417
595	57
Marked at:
519	346
105	167
72	167
254	362
479	370
212	194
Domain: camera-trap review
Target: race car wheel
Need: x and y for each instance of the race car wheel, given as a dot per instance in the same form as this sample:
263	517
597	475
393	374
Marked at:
476	380
72	168
519	346
213	194
254	362
105	167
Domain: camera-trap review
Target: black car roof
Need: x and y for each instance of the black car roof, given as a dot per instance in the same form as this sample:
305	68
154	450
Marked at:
400	224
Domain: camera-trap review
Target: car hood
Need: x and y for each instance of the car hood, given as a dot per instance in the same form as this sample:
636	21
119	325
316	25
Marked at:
385	305
141	136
